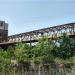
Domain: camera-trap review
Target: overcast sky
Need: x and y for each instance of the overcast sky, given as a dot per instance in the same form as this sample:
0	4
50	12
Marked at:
28	15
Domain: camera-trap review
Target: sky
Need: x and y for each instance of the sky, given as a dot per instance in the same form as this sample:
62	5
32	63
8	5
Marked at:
28	15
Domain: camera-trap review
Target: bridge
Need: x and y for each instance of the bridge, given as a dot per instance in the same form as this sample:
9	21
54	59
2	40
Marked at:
33	36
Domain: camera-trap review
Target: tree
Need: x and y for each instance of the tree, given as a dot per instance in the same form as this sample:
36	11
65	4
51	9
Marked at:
5	60
65	49
22	52
42	50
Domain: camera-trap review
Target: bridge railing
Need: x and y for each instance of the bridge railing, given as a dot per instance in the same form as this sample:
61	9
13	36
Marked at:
20	39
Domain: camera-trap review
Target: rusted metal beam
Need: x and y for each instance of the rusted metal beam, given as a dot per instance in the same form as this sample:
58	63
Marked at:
33	36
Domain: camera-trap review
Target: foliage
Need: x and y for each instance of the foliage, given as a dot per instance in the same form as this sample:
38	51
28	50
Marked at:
58	50
64	50
42	50
22	52
5	60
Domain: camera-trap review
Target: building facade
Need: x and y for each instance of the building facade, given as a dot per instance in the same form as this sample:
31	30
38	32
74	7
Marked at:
3	31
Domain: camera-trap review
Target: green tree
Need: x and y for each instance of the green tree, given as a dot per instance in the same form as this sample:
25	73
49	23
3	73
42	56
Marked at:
22	52
5	61
42	50
65	49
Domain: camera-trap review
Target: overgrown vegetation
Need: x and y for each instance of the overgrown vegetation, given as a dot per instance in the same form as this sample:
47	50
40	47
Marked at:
58	50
